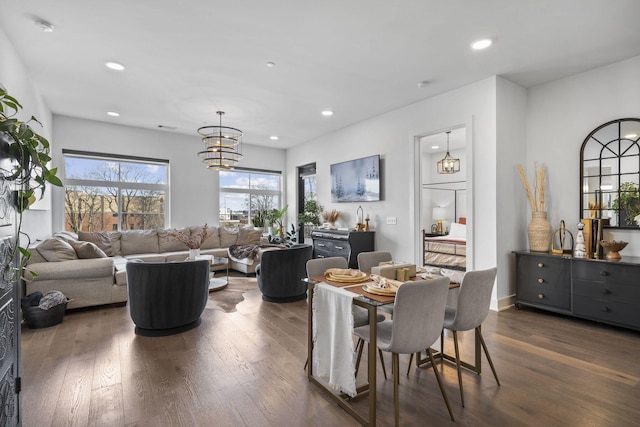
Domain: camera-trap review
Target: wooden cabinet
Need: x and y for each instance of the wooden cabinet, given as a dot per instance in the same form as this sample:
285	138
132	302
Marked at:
544	281
346	244
599	290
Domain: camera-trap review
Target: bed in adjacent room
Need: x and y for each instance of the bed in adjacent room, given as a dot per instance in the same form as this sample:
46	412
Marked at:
449	251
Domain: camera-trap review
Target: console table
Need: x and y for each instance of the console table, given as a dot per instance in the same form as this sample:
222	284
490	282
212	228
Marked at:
343	243
600	290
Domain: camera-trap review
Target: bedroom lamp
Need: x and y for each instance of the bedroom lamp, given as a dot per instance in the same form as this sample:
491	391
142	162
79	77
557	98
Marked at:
222	146
438	215
448	164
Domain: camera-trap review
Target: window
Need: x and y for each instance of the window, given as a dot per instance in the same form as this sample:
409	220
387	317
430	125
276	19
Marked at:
104	193
244	192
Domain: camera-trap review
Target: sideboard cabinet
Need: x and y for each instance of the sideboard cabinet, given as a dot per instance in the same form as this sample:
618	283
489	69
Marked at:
600	290
346	244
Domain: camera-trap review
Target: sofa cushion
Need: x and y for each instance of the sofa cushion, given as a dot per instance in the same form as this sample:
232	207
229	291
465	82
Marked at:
54	250
249	236
168	242
86	250
139	242
100	238
69	270
213	239
65	235
114	236
228	236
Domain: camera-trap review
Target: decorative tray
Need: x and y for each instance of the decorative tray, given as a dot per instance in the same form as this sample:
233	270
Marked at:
344	275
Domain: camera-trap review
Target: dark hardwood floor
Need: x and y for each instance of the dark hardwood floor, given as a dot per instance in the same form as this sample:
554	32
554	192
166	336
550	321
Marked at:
244	368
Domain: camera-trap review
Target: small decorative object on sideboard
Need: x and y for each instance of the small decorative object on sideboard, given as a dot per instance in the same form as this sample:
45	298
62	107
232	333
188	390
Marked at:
581	248
561	233
613	248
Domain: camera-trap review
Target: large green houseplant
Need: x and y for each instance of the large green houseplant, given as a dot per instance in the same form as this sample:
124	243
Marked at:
28	171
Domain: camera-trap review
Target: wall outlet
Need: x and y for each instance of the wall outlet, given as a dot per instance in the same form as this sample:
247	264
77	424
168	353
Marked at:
392	220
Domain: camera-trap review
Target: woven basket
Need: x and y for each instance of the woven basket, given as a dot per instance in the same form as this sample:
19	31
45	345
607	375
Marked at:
539	232
36	318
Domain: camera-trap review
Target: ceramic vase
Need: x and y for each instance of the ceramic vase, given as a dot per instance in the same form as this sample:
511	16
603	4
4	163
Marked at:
539	232
193	253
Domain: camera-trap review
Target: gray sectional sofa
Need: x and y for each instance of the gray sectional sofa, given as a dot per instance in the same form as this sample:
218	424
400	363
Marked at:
90	268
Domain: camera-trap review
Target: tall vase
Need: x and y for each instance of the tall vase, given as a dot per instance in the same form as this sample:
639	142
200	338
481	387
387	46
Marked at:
539	232
193	253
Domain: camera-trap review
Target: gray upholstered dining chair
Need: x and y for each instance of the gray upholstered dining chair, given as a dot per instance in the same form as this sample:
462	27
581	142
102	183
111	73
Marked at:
366	260
416	325
471	310
317	267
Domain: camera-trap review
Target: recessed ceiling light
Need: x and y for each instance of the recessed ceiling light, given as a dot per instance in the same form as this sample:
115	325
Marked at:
435	147
327	113
481	44
45	27
423	83
271	64
273	138
113	114
631	136
114	65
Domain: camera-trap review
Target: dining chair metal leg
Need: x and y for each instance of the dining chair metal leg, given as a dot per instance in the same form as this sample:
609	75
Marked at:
457	351
410	360
486	352
395	364
444	393
384	369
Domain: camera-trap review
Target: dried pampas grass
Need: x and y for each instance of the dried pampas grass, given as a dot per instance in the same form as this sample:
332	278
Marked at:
536	199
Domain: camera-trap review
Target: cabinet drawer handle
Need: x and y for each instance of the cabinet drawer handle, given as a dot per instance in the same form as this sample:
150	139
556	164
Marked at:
540	296
605	309
606	291
322	245
540	265
339	247
540	280
604	273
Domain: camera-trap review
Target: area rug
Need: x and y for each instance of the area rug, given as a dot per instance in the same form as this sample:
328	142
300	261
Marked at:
228	298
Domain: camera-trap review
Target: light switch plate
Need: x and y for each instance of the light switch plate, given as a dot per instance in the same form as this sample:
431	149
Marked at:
392	220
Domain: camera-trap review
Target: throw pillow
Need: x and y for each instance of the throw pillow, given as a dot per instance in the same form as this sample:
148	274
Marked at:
101	239
54	250
228	237
168	242
86	250
213	239
249	236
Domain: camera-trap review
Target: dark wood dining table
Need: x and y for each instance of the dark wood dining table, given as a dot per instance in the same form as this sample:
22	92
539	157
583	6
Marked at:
370	302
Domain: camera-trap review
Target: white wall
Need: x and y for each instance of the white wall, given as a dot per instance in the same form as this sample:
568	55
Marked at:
194	189
392	135
15	79
561	115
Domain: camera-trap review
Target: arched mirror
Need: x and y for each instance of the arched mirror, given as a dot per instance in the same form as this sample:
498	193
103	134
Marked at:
610	174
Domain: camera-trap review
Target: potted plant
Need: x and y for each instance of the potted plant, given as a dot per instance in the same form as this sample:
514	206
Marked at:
628	204
28	171
310	216
275	217
258	219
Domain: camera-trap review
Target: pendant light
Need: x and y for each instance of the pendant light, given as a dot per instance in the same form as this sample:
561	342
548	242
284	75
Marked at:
448	164
222	146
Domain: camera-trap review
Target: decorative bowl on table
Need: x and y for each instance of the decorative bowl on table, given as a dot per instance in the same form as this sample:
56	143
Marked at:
613	247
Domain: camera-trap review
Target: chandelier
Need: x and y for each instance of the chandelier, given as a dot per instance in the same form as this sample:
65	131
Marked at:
448	164
222	146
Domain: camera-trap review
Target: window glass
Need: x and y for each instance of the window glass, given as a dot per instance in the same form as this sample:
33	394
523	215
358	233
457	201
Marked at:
245	193
111	194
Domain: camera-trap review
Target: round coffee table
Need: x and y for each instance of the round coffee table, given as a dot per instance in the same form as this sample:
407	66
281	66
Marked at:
217	283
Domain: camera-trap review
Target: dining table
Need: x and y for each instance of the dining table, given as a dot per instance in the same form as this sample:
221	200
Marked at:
370	302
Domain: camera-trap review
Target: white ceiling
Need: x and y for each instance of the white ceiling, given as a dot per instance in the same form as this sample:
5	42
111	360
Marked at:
360	58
